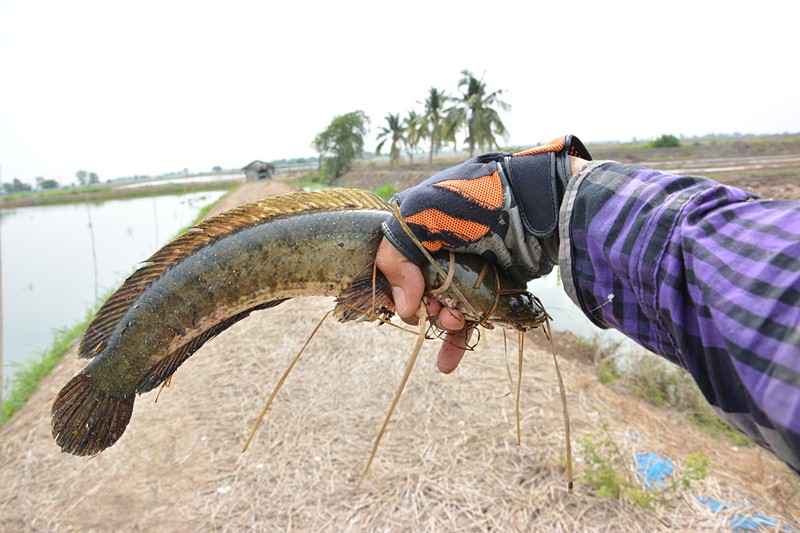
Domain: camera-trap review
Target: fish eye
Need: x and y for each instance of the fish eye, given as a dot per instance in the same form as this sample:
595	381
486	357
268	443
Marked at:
528	299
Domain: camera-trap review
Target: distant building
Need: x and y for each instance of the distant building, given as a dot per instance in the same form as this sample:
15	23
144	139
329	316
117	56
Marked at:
258	170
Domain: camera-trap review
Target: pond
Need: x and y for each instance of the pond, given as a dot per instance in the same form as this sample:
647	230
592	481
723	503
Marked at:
568	317
58	261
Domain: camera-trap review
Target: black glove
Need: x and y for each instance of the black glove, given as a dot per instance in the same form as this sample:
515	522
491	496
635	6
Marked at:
502	206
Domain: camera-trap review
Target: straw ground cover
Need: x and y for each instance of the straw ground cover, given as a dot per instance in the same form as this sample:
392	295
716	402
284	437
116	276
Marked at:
449	460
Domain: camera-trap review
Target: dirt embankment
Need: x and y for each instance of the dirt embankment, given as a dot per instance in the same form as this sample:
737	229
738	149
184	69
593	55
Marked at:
105	193
449	461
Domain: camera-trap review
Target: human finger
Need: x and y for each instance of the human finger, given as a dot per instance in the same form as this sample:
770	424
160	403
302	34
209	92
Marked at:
452	350
405	279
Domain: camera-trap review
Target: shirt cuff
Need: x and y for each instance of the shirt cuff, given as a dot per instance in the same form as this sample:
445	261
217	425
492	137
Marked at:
564	224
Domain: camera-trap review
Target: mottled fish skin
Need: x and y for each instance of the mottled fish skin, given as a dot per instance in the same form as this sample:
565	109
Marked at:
316	254
491	296
250	258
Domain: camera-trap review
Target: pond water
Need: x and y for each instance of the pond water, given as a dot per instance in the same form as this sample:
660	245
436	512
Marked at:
568	317
236	176
58	260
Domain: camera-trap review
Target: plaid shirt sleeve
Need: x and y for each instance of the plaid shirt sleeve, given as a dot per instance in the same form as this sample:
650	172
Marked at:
705	275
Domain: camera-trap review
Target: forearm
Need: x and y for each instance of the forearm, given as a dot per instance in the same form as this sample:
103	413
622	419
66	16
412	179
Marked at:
700	274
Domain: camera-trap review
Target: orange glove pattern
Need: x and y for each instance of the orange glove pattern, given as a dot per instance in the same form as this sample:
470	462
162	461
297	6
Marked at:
474	206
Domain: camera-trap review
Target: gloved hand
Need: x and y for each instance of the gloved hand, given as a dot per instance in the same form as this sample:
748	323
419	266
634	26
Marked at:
502	206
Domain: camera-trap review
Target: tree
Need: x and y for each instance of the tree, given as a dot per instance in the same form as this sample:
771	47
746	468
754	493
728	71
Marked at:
475	110
17	186
665	141
46	184
342	142
413	133
86	178
453	120
318	144
394	131
432	124
216	169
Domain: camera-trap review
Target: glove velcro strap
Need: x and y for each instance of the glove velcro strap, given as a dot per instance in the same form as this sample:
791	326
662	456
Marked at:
538	178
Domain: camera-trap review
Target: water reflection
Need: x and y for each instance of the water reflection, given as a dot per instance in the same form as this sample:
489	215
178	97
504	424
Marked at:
49	256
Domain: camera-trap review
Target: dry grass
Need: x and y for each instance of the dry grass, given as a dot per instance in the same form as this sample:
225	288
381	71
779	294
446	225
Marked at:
448	462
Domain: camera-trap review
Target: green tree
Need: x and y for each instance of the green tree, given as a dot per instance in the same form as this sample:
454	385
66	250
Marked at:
413	133
394	132
46	184
17	186
432	123
319	146
86	178
665	141
475	110
342	142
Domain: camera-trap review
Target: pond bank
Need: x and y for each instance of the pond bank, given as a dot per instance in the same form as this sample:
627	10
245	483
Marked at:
105	193
448	462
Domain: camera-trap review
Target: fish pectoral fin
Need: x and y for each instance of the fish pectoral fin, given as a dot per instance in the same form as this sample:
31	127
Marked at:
360	303
165	367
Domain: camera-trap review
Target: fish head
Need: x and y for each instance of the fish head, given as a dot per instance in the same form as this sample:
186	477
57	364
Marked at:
483	293
516	309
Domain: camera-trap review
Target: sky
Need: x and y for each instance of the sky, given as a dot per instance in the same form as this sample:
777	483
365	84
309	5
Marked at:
150	87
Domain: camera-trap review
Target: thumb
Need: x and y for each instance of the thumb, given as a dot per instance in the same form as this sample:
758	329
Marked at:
404	276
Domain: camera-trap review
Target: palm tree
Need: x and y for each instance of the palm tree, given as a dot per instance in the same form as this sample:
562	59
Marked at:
454	119
395	132
432	121
414	133
475	109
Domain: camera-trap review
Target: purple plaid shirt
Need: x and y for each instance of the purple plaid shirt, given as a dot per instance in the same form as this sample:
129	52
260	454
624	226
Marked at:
705	275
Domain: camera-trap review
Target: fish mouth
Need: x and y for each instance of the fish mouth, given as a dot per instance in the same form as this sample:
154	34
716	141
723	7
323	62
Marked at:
524	312
520	325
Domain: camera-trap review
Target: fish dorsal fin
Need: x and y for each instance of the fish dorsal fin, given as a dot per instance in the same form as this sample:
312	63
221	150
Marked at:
207	232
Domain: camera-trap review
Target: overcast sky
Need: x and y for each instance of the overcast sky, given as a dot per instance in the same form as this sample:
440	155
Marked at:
149	87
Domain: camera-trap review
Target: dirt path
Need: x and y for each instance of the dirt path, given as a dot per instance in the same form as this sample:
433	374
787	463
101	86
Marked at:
449	461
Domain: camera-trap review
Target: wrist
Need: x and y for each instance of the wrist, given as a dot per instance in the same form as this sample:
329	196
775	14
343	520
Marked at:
576	164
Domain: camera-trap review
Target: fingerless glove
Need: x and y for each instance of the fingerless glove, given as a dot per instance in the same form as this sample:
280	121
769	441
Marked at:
502	206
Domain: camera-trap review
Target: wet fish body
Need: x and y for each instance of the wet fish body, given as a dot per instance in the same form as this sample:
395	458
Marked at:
257	268
251	258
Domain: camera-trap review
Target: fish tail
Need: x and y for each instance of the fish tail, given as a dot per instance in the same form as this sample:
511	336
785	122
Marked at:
85	419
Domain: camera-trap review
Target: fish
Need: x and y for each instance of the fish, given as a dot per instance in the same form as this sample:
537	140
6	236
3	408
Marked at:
249	259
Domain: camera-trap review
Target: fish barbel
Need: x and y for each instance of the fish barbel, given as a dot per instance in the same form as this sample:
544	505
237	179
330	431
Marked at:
251	258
